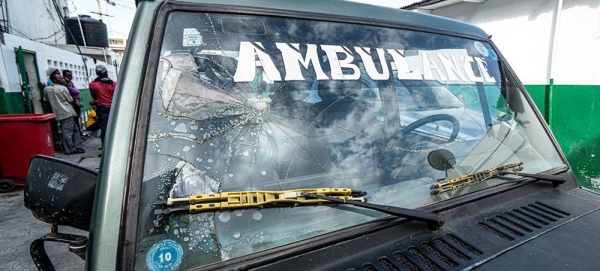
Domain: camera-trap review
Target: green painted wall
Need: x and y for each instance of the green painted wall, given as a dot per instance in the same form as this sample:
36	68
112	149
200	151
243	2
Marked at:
11	102
85	100
576	125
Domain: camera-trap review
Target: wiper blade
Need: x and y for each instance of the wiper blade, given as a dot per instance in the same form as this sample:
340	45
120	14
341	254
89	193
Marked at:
555	180
477	177
432	219
287	198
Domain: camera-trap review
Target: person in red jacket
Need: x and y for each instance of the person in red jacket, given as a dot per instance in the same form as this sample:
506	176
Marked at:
102	90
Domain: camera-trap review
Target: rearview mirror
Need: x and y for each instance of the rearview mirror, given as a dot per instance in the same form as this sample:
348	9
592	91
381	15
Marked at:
59	192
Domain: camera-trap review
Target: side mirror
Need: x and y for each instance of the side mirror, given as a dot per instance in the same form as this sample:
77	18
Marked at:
59	192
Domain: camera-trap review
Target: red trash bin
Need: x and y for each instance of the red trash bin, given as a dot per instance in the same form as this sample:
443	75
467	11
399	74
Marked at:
21	137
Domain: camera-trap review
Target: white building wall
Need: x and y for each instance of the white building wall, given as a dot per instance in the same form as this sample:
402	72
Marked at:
522	30
47	56
35	19
578	48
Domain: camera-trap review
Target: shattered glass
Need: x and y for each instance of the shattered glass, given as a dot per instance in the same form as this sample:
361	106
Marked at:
210	134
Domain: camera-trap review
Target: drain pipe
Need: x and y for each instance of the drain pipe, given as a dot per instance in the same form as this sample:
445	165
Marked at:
7	17
104	52
81	29
552	64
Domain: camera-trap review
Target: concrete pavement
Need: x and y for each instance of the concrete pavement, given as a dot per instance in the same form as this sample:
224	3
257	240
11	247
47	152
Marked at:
18	227
90	158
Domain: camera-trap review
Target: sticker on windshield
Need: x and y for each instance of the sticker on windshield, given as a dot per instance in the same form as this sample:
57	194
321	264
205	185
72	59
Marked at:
481	48
164	256
191	37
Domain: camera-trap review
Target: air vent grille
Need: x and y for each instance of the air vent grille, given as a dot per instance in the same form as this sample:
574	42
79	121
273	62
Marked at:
539	214
388	265
464	244
546	211
552	208
513	223
520	212
505	227
437	253
451	249
495	231
424	259
523	220
369	267
448	251
406	262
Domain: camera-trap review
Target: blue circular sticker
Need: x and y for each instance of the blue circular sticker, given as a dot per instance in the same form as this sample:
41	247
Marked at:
164	256
481	49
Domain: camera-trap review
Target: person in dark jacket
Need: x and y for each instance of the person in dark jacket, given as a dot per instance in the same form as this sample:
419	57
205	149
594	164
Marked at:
102	90
68	75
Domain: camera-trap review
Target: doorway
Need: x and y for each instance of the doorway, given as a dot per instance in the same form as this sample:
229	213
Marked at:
28	70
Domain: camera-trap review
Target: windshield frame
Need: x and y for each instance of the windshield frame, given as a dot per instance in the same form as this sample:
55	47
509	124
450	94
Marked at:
131	208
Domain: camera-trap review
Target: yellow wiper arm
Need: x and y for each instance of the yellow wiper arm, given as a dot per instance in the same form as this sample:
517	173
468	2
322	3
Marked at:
473	178
477	177
287	198
255	199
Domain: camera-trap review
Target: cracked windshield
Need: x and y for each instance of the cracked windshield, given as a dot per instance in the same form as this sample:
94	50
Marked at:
258	103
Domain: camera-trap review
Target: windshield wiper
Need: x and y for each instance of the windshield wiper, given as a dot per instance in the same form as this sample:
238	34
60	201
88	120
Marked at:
555	180
287	198
430	218
477	177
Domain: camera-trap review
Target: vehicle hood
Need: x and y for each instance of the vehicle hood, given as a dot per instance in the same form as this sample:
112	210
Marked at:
566	246
537	227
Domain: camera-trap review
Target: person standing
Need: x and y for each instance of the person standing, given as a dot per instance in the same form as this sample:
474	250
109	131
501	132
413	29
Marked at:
102	90
76	97
59	98
50	73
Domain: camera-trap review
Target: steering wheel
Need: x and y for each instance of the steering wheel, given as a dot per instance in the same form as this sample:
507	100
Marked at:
433	118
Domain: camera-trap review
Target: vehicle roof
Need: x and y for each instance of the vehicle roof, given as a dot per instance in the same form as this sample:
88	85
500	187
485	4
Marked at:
363	12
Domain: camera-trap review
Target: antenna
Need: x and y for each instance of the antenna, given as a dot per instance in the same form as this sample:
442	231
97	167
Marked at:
100	14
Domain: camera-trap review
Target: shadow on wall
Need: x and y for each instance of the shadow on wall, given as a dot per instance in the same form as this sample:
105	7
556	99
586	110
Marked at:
584	157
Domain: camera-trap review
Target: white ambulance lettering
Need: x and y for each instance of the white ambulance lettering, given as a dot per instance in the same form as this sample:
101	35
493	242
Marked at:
247	63
468	68
367	59
429	66
484	70
292	58
452	70
344	64
404	72
336	65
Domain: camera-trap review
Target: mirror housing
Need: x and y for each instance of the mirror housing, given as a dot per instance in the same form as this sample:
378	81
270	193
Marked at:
60	192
